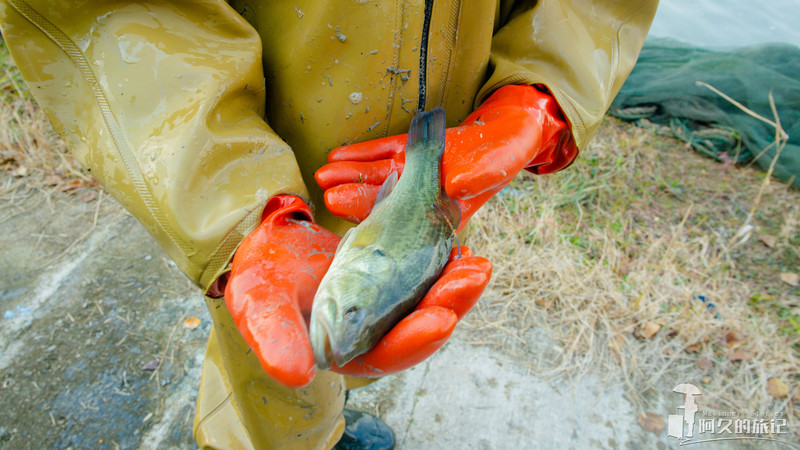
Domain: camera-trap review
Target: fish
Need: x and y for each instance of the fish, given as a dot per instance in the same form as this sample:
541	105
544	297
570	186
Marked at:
384	266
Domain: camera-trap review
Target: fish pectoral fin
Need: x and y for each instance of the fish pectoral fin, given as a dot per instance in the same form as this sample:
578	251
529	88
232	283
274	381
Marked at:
387	187
451	213
368	232
449	209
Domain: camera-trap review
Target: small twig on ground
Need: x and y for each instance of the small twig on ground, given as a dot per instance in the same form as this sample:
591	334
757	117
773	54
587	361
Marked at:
88	232
745	109
97	208
780	141
781	138
166	348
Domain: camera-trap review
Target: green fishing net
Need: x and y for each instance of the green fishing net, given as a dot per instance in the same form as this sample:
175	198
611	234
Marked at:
662	92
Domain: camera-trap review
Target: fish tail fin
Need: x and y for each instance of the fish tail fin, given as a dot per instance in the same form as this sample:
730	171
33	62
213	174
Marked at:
428	127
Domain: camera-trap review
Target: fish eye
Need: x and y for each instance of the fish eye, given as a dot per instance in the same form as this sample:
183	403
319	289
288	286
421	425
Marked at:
350	313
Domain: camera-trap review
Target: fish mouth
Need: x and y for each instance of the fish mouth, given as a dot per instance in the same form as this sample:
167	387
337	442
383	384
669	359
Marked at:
326	350
320	336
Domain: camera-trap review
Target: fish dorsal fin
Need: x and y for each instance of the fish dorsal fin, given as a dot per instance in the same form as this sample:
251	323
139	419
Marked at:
387	187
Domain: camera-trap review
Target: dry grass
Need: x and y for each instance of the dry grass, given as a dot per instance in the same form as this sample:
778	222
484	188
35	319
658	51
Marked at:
31	152
634	233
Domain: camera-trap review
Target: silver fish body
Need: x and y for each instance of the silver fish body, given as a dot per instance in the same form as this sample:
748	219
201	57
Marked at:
384	266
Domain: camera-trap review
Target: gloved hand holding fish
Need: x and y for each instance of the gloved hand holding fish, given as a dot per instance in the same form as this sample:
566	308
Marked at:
384	266
517	127
367	317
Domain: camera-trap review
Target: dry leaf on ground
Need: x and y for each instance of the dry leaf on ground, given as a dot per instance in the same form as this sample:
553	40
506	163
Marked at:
792	279
705	363
694	348
651	421
739	355
769	241
20	171
777	388
151	365
191	323
53	180
733	339
647	330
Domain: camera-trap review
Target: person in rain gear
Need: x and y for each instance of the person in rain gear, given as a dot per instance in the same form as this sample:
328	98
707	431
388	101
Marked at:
221	126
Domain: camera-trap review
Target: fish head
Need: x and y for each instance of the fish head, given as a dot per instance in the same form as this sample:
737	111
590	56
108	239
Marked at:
346	311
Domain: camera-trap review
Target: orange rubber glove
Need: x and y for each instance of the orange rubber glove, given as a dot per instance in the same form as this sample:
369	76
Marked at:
275	274
517	127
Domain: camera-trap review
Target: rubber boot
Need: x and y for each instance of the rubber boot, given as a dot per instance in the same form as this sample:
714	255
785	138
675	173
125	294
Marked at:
365	432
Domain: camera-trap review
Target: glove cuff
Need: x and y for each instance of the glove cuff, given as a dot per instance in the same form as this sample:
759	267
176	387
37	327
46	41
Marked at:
283	207
555	145
277	210
558	149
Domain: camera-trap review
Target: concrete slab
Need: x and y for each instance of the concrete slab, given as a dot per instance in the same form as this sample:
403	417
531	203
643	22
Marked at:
84	308
468	396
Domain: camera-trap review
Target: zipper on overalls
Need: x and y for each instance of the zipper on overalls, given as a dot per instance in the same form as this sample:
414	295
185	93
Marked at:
423	56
